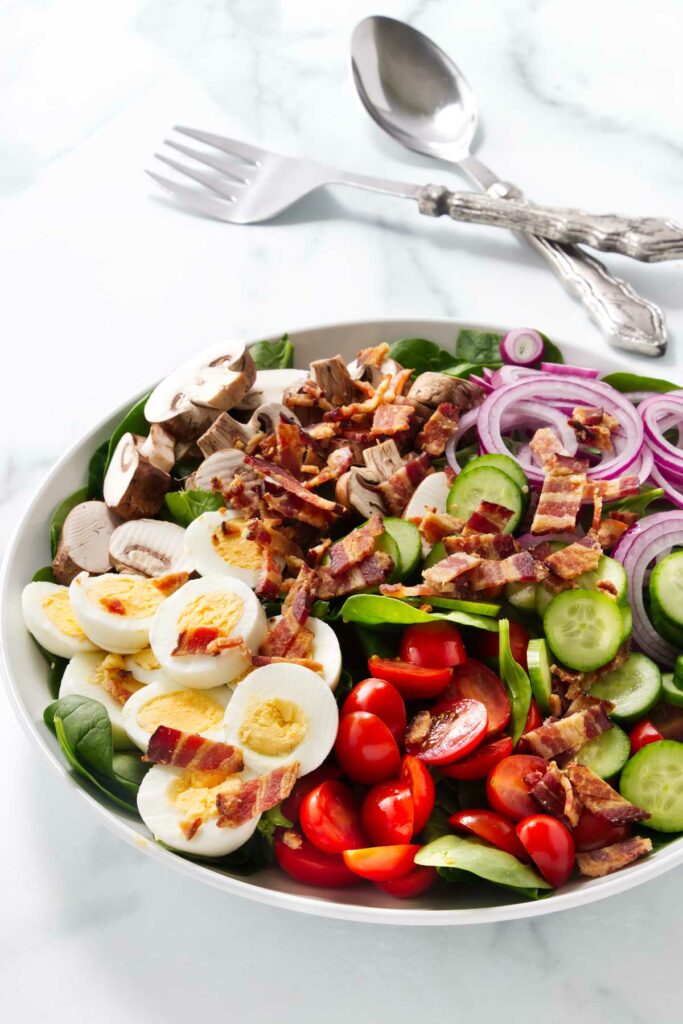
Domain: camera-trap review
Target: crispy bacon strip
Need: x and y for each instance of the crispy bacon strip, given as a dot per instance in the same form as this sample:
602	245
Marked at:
356	546
115	680
187	750
545	443
486	545
195	641
324	510
400	486
289	636
612	490
391	419
559	503
434	526
569	733
578	682
488	518
438	428
373	356
373	401
258	660
372	571
171	582
519	568
610	532
338	462
269	583
450	568
556	795
575	559
593	427
256	796
600	799
604	861
289	446
315	555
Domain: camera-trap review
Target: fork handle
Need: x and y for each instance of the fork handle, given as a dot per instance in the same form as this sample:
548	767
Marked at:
650	239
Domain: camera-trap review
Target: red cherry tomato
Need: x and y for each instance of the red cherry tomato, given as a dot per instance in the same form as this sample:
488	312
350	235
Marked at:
433	645
330	818
292	805
474	680
422	789
491	827
449	735
381	863
550	845
382	699
413	681
479	763
642	733
388	815
590	833
306	863
415	882
488	647
365	749
534	719
506	788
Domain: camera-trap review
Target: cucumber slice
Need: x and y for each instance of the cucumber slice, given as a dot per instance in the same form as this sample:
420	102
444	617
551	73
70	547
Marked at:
672	690
385	542
506	464
522	596
678	670
542	598
606	569
653	780
406	537
627	619
538	664
583	628
485	484
437	554
663	625
666	595
633	689
607	754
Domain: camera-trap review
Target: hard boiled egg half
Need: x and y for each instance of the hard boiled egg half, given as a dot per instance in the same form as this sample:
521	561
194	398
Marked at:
102	677
282	713
49	616
172	800
189	628
116	610
215	545
144	666
166	703
325	649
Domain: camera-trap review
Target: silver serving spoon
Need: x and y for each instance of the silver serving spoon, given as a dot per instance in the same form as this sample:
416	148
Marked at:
416	94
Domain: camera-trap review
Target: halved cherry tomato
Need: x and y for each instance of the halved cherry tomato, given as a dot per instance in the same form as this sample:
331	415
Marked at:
433	645
488	646
366	751
306	863
642	733
388	814
382	699
491	827
550	845
422	789
381	863
415	882
413	681
442	738
479	763
590	833
292	805
330	818
472	679
506	788
534	719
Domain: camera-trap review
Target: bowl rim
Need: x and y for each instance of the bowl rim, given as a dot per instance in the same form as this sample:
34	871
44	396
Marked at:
117	822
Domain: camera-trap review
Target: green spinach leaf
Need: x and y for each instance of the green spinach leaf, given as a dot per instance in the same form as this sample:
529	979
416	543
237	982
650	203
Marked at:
344	686
56	666
465	370
421	355
551	353
482	347
128	769
273	355
627	382
638	503
516	682
453	604
467	854
185	506
60	514
133	422
96	468
44	575
375	610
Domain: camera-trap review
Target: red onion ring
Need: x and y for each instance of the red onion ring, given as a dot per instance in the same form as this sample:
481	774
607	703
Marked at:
522	346
671	491
567	370
467	421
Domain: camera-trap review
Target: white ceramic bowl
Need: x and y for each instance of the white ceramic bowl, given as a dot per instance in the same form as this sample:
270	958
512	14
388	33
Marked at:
25	674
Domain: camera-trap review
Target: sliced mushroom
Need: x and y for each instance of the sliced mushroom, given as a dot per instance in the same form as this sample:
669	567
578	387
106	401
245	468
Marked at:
266	418
434	388
186	450
159	448
383	460
133	486
370	373
84	543
222	434
150	547
216	472
270	386
357	490
334	380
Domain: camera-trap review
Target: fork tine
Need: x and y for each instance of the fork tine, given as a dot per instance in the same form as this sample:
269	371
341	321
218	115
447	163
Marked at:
252	154
236	171
200	201
215	184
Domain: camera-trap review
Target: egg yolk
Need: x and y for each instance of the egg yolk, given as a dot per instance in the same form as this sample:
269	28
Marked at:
233	549
187	710
194	793
130	598
57	607
217	610
274	727
112	676
145	659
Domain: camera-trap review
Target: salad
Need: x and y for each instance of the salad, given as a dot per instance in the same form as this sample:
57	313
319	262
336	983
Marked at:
412	621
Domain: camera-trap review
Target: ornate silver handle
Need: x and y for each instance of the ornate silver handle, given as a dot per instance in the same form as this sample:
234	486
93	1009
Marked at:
650	239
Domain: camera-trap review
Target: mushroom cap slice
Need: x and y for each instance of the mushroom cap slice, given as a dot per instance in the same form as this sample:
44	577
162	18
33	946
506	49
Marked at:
159	448
84	542
224	433
266	418
357	490
133	486
219	469
150	547
432	388
370	373
270	387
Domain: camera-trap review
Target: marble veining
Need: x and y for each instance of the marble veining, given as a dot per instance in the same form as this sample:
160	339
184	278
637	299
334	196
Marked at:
106	284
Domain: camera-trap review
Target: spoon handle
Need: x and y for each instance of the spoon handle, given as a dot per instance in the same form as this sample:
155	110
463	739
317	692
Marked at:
628	320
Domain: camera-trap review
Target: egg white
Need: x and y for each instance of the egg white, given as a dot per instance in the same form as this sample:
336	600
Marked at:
204	670
46	632
291	683
325	649
137	735
202	551
141	674
117	633
163	819
79	680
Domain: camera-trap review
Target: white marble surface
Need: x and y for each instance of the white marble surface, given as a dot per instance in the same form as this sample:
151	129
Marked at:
105	285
